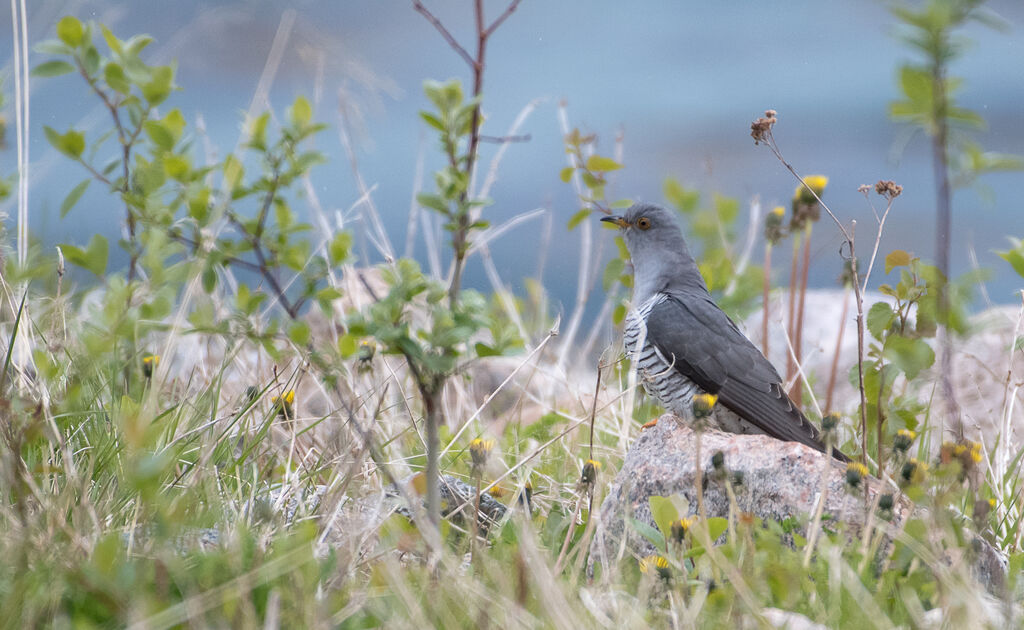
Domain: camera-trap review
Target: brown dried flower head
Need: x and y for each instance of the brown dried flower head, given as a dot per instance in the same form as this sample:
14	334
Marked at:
761	129
888	189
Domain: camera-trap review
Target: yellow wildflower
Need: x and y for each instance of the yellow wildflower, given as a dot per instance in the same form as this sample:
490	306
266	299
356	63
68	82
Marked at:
479	450
590	468
904	438
703	405
817	183
680	527
855	472
149	363
284	403
657	564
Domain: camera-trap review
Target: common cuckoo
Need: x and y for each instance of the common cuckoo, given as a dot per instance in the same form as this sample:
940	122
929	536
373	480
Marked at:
682	344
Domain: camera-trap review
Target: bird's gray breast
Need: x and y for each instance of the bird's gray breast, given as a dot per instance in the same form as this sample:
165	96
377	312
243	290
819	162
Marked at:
656	372
659	375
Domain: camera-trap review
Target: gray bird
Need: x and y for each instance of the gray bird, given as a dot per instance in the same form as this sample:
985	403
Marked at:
689	346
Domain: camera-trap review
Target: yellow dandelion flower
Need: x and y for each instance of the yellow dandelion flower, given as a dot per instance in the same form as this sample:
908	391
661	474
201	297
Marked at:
149	363
284	403
657	564
914	471
903	440
855	472
680	527
590	468
703	405
817	183
778	211
479	450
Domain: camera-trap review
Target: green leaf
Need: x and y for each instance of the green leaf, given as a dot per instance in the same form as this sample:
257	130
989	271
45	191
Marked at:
210	279
578	218
52	47
612	271
91	60
70	144
339	248
177	167
896	258
909	355
233	172
70	31
432	201
299	333
716	527
600	164
159	88
73	197
347	345
112	42
52	69
619	314
664	512
484	350
300	112
651	534
566	174
113	74
880	316
159	134
1014	256
92	258
432	120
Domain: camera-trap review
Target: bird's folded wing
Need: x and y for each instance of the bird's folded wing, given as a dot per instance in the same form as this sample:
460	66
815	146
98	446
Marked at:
705	345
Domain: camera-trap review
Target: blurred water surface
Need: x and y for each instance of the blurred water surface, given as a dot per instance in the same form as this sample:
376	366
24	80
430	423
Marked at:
679	80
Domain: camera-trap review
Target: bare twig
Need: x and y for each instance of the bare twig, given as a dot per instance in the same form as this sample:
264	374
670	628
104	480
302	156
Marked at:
768	138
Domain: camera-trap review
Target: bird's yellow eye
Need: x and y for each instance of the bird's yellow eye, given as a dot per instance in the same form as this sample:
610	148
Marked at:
643	223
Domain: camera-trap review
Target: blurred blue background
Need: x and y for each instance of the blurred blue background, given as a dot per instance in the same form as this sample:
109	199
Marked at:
679	80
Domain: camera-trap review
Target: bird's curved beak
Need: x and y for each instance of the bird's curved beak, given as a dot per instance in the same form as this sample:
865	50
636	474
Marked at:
619	221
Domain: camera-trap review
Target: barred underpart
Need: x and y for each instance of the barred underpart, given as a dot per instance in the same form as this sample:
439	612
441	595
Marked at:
663	381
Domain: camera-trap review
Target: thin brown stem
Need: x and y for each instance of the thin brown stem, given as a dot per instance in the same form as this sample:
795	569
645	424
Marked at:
699	479
791	315
835	355
254	238
799	336
848	237
764	301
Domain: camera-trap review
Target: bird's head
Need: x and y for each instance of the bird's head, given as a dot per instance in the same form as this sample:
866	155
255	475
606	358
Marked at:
661	259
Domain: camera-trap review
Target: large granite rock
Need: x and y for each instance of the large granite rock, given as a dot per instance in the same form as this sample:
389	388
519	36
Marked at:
780	480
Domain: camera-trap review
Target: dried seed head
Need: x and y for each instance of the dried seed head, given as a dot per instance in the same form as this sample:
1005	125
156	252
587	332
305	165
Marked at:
761	129
888	189
718	460
982	509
